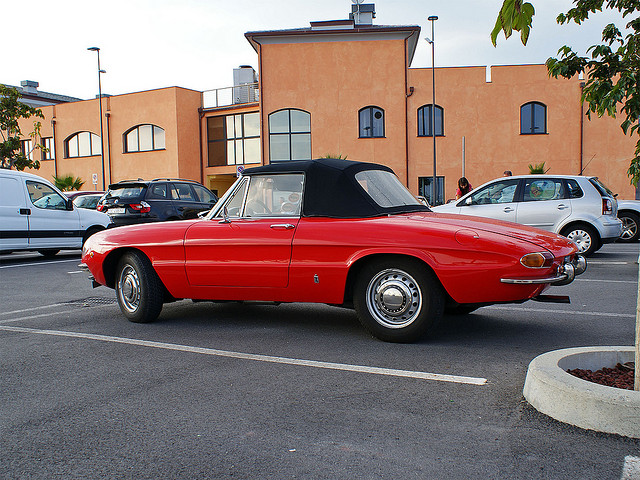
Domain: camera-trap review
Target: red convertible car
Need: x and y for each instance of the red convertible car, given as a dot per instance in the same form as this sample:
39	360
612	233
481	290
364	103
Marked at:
336	232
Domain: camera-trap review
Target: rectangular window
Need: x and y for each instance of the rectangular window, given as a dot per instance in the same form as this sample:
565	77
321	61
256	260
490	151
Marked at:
425	190
233	139
145	137
27	148
49	150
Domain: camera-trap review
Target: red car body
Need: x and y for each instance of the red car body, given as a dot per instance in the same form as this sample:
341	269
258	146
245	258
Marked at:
307	258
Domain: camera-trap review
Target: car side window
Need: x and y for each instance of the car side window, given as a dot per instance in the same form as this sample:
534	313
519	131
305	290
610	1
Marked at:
182	191
204	195
574	189
234	203
502	191
43	196
543	189
274	196
158	191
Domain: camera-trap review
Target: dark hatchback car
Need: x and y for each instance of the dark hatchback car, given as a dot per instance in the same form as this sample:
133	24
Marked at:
141	201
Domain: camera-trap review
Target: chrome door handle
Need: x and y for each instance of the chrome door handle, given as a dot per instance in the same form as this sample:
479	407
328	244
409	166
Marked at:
561	206
283	226
508	209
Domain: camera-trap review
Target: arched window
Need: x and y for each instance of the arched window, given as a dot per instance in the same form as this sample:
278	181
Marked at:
371	122
144	138
289	135
533	118
424	121
82	144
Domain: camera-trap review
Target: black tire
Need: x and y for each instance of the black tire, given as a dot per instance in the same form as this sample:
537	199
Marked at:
631	224
380	298
90	231
139	290
585	237
49	252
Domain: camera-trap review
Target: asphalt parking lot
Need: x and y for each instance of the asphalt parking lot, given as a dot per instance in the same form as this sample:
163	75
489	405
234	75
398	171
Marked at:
293	391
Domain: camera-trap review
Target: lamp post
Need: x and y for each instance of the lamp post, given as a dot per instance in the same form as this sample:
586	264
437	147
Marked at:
434	185
100	72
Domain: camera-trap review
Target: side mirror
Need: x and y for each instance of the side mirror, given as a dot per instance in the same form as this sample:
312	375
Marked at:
468	201
225	215
69	204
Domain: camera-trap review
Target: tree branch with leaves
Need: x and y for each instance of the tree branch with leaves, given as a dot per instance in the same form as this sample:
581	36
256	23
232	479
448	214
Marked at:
11	111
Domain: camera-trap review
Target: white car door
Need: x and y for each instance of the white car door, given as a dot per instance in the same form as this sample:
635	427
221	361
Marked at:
495	200
51	223
14	214
544	204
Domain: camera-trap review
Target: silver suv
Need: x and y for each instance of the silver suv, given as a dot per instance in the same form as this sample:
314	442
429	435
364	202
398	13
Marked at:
580	208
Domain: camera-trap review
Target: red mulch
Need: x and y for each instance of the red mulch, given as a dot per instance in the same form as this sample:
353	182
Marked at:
621	376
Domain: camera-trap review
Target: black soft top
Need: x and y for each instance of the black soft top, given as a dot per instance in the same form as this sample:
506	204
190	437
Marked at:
331	189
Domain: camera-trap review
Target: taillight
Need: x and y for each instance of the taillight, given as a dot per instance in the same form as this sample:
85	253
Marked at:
100	207
607	206
142	207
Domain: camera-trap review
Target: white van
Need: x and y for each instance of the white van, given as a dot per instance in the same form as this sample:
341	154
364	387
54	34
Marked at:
35	215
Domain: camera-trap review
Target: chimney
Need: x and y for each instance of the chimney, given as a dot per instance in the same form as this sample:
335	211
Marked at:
29	86
363	14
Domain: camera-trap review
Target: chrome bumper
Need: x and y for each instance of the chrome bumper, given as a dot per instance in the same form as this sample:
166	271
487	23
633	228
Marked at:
565	275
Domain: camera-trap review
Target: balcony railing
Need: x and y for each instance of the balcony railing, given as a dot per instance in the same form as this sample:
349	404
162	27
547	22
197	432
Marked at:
225	97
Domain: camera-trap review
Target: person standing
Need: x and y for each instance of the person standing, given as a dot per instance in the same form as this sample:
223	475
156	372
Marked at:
464	187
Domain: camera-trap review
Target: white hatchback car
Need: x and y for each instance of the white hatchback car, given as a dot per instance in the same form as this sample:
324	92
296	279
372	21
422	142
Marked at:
580	208
35	215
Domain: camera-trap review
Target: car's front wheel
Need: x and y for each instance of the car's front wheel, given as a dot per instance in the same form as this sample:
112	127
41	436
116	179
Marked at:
139	290
630	223
398	300
585	237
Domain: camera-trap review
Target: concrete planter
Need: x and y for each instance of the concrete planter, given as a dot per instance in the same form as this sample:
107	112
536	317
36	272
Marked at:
554	392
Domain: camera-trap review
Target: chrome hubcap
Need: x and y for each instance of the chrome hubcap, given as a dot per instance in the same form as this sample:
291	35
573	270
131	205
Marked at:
394	298
629	228
129	289
581	238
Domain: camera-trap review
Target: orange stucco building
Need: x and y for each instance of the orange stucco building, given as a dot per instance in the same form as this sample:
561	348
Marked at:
344	88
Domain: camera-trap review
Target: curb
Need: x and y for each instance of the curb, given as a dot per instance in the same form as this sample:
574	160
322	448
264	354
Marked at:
560	395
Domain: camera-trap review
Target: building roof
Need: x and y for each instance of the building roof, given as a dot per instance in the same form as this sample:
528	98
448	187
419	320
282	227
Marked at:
336	30
36	98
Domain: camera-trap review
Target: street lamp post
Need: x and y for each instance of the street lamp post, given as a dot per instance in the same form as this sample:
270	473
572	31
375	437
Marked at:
434	185
100	72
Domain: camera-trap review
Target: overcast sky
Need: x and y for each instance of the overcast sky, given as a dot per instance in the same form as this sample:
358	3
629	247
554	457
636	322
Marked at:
196	44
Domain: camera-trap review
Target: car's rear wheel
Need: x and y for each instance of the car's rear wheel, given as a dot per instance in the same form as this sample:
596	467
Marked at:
585	237
630	224
398	300
139	291
49	252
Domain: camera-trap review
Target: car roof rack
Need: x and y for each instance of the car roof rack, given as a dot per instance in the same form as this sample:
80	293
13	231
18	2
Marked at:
172	179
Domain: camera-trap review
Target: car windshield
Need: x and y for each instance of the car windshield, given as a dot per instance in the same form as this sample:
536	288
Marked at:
602	188
126	192
385	189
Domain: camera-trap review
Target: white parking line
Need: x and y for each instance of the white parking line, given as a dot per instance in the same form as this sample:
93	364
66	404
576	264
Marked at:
31	317
564	312
261	358
631	468
633	282
39	263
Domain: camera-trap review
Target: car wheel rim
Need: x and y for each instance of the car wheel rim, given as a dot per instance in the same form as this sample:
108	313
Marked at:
582	239
129	289
629	228
394	298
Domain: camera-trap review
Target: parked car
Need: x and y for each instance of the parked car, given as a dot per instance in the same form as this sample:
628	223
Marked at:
337	232
88	201
72	195
629	215
580	208
139	201
35	215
